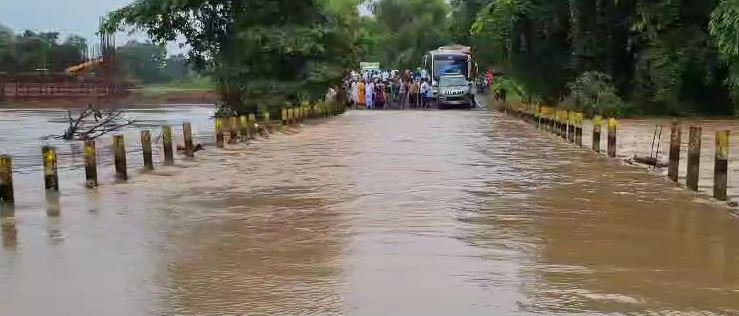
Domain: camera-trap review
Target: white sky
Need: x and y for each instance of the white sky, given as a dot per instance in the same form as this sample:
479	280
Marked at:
79	17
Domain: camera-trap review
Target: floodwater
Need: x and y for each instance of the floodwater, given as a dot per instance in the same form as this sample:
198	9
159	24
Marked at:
368	213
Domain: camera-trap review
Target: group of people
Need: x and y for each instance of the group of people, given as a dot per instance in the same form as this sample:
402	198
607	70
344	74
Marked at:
383	90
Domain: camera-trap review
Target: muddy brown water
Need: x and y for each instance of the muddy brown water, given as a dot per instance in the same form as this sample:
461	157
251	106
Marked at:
369	213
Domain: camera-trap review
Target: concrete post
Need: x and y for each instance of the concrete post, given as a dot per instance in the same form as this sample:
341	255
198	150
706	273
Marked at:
7	198
219	133
167	142
51	175
612	132
119	152
675	140
146	150
721	165
187	133
91	165
694	157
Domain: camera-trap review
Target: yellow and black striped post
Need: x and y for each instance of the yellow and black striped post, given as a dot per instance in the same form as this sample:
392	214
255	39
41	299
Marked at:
7	199
187	134
597	127
612	133
119	154
146	150
233	130
563	124
578	129
219	133
721	165
91	164
167	144
571	126
694	158
675	143
51	175
252	121
244	131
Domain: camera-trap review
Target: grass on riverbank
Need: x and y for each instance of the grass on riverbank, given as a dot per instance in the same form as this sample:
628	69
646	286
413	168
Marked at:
195	85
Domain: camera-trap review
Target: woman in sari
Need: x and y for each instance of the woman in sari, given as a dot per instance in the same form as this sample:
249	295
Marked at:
362	93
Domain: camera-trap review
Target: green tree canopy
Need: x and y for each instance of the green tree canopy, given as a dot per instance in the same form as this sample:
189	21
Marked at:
659	53
407	29
258	51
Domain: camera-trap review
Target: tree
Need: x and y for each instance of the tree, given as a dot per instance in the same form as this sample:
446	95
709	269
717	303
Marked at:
463	15
143	62
7	49
409	28
725	33
657	52
258	51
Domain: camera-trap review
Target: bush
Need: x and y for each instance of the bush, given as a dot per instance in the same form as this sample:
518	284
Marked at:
593	93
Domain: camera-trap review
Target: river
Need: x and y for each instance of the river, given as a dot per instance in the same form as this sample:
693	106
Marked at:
368	213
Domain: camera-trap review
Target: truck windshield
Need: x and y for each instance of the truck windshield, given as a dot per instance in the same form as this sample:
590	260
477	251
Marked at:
450	65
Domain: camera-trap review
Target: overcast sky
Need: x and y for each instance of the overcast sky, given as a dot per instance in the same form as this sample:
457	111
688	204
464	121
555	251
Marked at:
65	16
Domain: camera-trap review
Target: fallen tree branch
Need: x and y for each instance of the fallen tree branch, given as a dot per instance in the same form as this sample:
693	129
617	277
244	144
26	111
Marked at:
93	123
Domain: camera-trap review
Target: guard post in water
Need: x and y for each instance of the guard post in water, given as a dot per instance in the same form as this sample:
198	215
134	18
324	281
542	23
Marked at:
167	141
283	116
253	125
694	158
91	164
244	128
119	155
612	132
578	129
219	132
597	126
571	126
7	199
51	175
187	133
721	165
146	150
233	130
675	140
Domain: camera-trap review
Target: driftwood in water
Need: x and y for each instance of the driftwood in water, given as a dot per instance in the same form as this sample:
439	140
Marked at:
197	147
92	123
650	161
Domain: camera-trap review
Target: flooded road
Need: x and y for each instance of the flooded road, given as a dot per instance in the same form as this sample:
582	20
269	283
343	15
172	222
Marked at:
368	213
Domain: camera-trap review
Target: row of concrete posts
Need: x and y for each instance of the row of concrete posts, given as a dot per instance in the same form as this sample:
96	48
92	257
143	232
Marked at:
568	125
246	126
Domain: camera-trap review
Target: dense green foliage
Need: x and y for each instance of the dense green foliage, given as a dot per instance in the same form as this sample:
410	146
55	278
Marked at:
31	51
659	53
260	52
148	63
403	30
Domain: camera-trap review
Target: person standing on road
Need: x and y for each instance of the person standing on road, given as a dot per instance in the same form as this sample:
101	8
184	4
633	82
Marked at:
402	94
362	94
414	92
354	93
379	96
371	94
429	95
424	93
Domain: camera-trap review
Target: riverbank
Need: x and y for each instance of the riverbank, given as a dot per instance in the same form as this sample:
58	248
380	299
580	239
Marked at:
143	97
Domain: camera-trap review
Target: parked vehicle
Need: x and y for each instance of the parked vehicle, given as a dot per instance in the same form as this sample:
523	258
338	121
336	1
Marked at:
455	91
